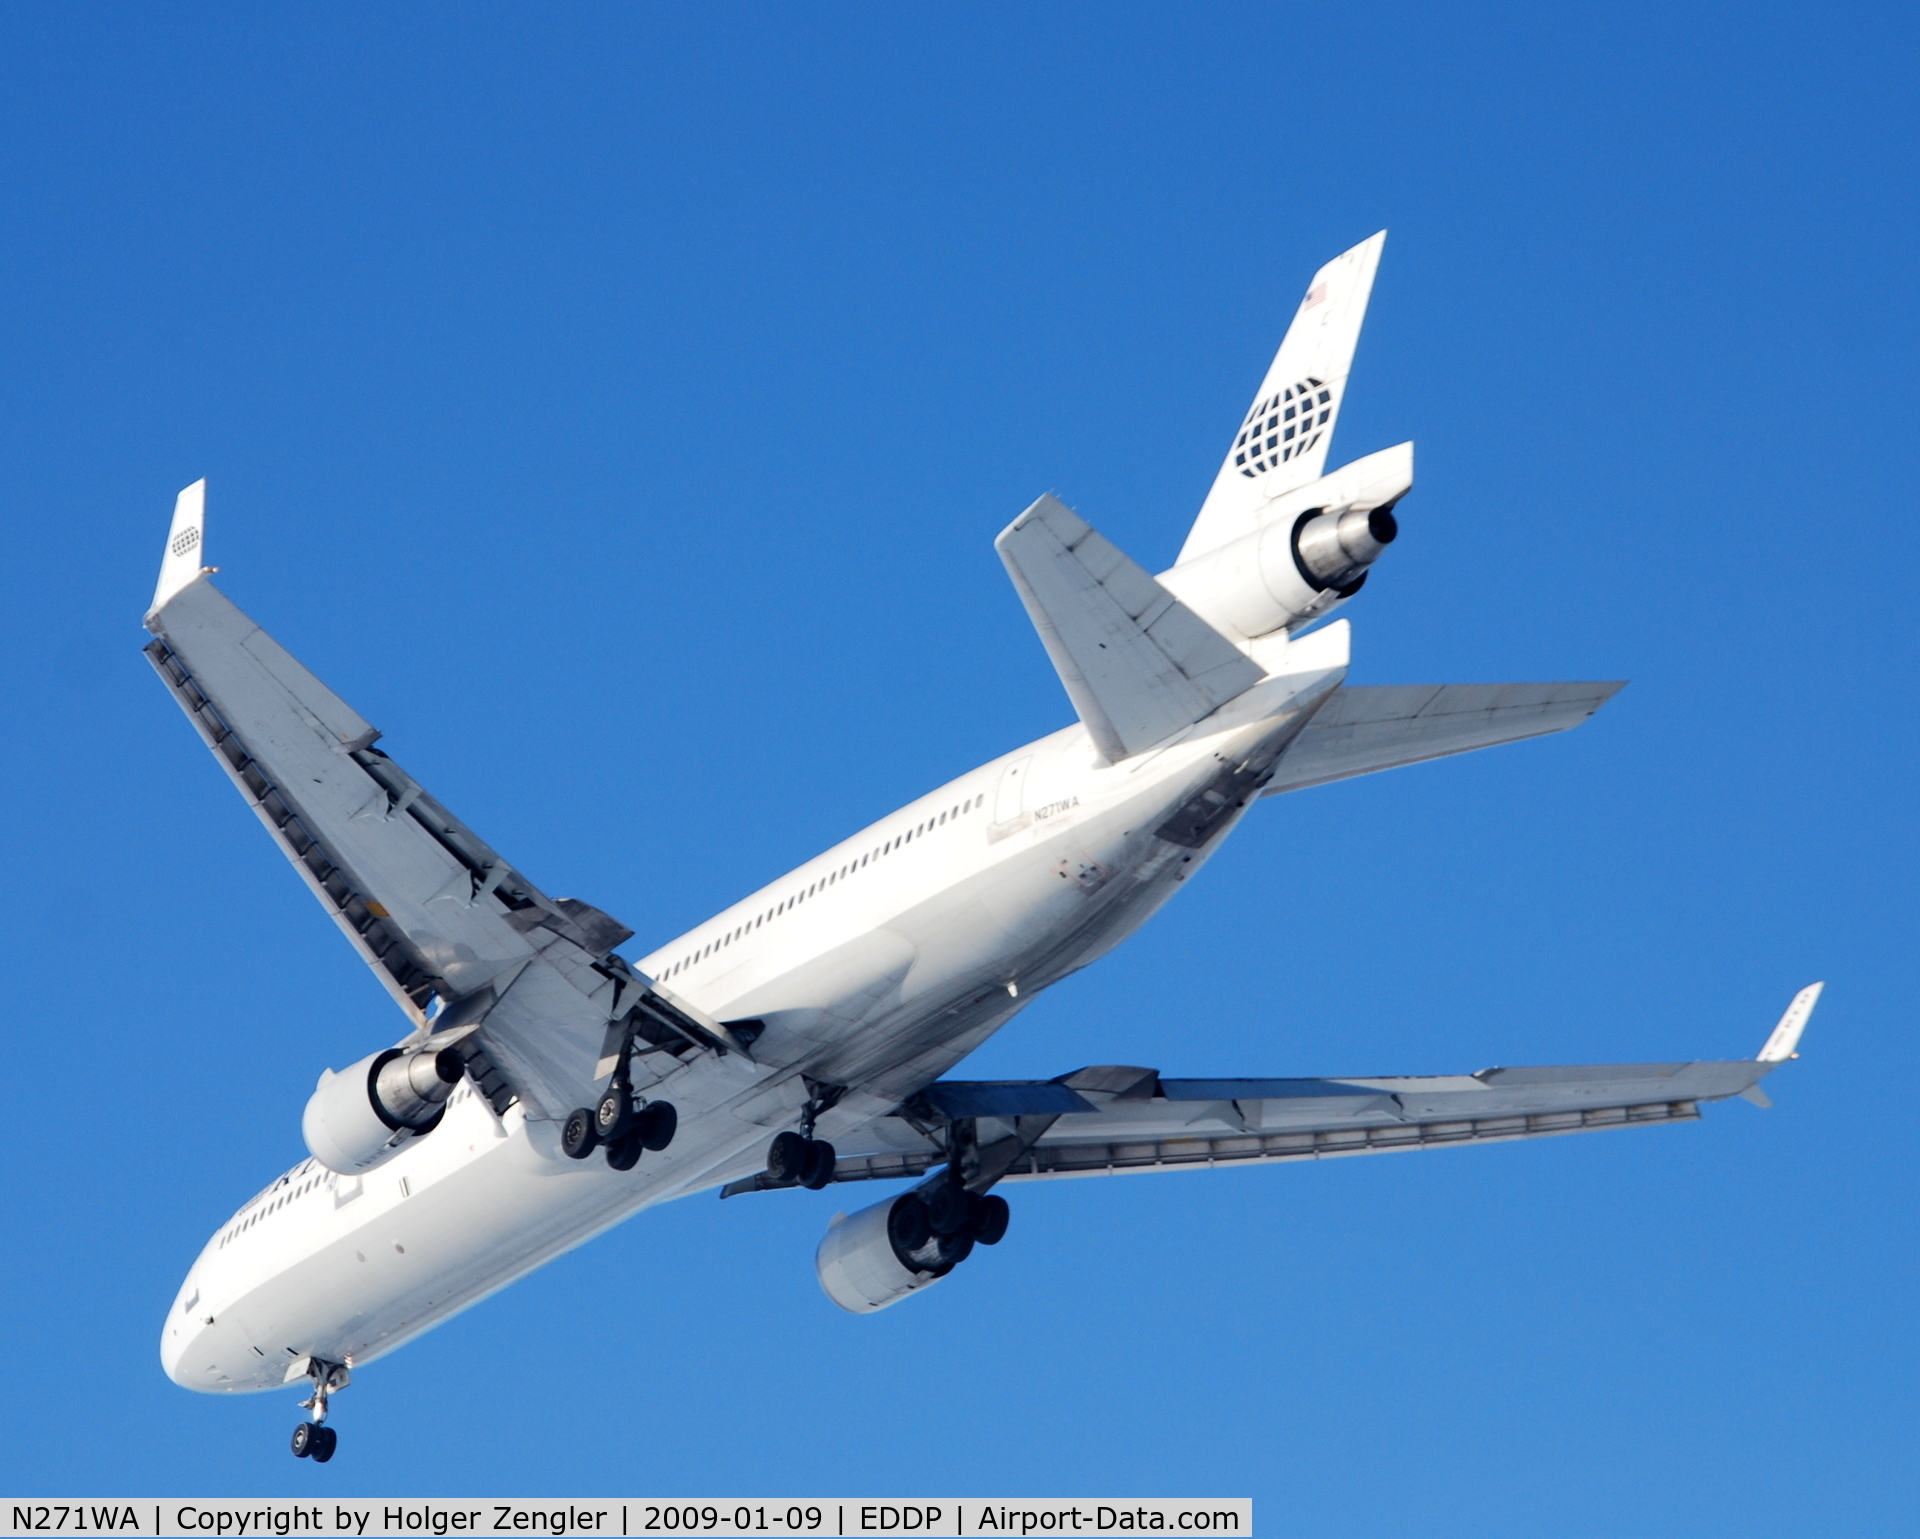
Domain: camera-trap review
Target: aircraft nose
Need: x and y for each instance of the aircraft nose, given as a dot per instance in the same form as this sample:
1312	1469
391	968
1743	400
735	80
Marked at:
185	1342
176	1337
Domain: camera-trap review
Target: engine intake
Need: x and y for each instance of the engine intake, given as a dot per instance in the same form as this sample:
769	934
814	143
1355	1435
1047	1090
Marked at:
359	1118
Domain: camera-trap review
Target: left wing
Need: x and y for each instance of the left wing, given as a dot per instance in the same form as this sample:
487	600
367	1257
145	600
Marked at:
435	911
1113	1120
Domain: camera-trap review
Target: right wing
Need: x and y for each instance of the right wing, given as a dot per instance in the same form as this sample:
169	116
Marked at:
1373	727
433	909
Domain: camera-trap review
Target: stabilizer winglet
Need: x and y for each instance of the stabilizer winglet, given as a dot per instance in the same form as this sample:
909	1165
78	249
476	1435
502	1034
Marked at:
181	564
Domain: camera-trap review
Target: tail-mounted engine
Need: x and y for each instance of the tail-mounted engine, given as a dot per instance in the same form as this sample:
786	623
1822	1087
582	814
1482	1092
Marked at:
1310	552
362	1116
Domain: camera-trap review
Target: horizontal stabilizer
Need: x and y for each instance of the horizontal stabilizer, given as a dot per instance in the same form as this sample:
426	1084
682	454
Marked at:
1373	727
1138	665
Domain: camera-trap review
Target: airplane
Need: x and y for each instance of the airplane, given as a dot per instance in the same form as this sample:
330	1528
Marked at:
546	1087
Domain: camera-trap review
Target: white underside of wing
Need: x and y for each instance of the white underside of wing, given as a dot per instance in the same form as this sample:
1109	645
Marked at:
1367	728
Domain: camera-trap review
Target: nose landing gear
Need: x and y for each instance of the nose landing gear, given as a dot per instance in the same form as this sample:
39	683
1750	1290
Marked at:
315	1442
314	1439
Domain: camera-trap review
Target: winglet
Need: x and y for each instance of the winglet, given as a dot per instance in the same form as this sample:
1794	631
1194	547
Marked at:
181	563
1786	1036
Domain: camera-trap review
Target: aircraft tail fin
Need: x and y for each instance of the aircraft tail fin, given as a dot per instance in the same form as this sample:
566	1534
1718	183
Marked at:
1137	663
1282	442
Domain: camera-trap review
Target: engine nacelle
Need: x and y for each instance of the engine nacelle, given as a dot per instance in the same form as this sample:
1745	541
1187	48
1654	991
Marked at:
1310	552
882	1253
362	1116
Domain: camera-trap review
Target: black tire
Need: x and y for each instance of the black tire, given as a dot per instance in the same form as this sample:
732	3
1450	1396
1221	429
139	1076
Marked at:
949	1208
325	1440
613	1114
624	1152
818	1171
303	1439
990	1217
907	1226
787	1157
954	1249
656	1124
577	1135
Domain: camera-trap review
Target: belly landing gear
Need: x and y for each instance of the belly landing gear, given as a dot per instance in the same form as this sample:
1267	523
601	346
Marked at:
793	1159
314	1439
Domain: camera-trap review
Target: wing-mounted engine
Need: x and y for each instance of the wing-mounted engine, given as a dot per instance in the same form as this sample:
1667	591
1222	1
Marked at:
1309	553
362	1116
887	1251
982	1130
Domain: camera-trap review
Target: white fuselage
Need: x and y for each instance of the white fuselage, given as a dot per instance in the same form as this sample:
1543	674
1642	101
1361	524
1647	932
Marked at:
878	966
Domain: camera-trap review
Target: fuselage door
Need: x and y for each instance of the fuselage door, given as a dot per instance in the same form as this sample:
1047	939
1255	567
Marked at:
1009	799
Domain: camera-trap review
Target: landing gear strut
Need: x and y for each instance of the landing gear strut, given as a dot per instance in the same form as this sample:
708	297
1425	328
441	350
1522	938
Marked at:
314	1439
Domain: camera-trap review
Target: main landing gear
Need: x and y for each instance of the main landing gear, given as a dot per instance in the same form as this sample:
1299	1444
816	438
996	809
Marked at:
314	1439
619	1127
616	1124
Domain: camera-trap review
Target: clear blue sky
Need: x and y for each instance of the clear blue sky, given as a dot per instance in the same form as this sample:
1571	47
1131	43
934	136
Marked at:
617	404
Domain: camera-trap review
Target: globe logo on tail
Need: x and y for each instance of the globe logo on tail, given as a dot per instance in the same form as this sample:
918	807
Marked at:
1282	426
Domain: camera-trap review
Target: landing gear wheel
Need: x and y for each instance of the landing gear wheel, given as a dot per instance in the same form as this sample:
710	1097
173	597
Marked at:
990	1216
614	1115
656	1125
787	1157
303	1440
624	1152
949	1208
321	1445
818	1170
577	1135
